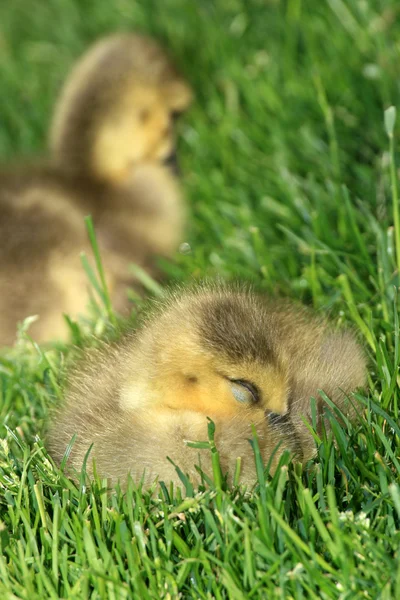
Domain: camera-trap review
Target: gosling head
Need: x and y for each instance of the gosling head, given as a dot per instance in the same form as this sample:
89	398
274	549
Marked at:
117	109
211	352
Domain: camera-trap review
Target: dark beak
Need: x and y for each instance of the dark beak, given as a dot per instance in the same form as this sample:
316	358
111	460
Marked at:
283	423
172	163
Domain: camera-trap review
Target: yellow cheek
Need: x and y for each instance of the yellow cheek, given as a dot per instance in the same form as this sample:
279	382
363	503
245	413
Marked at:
116	150
212	397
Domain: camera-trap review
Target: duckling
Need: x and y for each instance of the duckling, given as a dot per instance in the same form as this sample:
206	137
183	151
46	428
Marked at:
112	145
215	351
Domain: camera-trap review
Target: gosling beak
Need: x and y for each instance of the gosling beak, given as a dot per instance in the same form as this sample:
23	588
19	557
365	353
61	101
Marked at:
172	163
284	425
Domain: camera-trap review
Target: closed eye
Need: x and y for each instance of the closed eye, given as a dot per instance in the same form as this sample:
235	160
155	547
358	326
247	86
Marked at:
244	391
144	115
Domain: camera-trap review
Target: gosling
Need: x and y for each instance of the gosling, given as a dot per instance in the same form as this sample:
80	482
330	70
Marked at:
225	353
112	143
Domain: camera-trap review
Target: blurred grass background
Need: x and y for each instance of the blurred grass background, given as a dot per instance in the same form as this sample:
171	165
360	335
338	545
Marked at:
287	172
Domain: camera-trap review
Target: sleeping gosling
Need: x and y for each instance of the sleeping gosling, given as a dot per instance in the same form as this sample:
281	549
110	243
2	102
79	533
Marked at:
229	354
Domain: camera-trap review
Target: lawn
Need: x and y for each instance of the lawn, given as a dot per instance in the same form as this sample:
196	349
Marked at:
289	163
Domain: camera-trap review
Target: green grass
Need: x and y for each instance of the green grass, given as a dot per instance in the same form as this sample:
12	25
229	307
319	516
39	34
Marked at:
291	177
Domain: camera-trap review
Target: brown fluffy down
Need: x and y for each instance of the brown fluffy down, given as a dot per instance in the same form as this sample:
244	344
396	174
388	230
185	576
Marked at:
225	353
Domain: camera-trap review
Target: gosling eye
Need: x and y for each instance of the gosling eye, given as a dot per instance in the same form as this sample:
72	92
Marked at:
244	391
144	115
